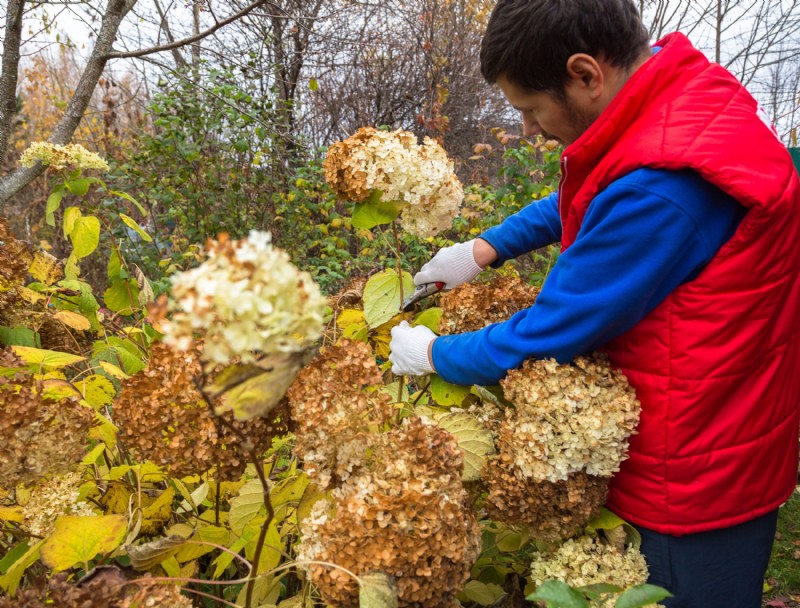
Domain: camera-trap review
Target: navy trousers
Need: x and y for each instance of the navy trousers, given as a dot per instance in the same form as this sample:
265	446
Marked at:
717	569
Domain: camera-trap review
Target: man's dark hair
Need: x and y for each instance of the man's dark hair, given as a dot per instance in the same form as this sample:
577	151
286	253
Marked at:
529	41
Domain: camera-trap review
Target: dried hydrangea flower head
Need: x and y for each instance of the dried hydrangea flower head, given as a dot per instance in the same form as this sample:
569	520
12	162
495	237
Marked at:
163	419
587	560
246	298
405	514
332	413
38	436
473	306
50	500
15	258
394	164
58	157
552	511
568	418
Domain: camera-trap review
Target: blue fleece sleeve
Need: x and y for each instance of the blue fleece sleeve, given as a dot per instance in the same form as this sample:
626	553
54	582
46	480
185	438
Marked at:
535	225
642	237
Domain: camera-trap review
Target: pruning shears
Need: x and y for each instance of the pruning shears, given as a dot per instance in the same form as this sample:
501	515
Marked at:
421	292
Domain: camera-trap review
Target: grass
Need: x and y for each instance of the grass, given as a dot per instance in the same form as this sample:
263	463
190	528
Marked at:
783	574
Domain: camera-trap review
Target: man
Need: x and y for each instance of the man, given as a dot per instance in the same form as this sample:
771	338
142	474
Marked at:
678	213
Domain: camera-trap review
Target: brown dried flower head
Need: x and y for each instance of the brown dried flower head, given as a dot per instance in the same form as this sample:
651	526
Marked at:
15	257
332	410
552	510
163	418
568	418
403	513
473	306
38	436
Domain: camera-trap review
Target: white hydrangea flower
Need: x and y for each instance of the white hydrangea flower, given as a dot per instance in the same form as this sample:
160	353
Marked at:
60	157
394	164
568	418
246	299
50	500
587	561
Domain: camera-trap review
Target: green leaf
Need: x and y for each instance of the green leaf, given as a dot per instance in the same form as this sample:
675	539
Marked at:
444	393
114	265
9	558
557	594
481	593
49	359
382	296
53	203
130	199
133	225
71	215
473	439
641	595
596	591
76	540
122	297
246	505
607	520
97	390
13	575
430	318
18	336
313	85
79	186
374	212
377	590
85	235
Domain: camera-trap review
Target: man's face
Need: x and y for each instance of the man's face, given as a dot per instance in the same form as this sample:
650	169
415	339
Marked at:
545	114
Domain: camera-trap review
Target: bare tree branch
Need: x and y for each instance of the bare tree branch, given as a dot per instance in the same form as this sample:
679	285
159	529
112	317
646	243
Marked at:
176	54
186	41
115	12
8	78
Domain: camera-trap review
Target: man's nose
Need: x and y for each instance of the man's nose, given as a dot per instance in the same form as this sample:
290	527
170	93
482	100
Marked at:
530	127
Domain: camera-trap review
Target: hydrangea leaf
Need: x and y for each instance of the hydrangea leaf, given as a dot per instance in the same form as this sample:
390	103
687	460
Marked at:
481	593
246	505
85	235
474	440
444	393
430	318
147	555
122	297
97	390
9	581
374	212
73	320
377	590
642	595
76	540
53	203
557	594
382	296
134	225
46	268
50	359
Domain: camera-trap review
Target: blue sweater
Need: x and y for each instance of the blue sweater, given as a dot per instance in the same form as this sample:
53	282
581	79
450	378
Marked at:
642	237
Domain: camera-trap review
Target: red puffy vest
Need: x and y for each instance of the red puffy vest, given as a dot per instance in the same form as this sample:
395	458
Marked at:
716	366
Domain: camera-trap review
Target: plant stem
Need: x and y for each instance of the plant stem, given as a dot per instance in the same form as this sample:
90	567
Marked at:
259	465
399	268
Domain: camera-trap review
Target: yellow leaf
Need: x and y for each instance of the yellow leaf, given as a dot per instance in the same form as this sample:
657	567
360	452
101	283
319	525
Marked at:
76	540
11	514
473	439
157	514
117	499
208	534
351	316
45	358
113	370
45	268
103	430
97	390
73	320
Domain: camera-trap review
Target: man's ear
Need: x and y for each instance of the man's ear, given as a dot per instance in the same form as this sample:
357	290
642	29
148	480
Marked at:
585	74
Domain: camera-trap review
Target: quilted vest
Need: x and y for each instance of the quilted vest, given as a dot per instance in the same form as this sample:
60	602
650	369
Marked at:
716	366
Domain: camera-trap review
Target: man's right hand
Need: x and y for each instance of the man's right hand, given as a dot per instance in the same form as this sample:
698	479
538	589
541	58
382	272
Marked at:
457	264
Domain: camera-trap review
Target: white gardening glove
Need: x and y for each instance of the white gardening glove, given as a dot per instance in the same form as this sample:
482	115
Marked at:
409	348
452	266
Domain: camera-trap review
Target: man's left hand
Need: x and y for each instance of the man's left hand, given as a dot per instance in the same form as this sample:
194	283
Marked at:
410	348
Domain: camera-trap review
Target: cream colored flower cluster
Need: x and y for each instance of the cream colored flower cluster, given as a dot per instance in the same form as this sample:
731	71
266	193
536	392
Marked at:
50	500
568	418
394	164
246	298
60	157
587	561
